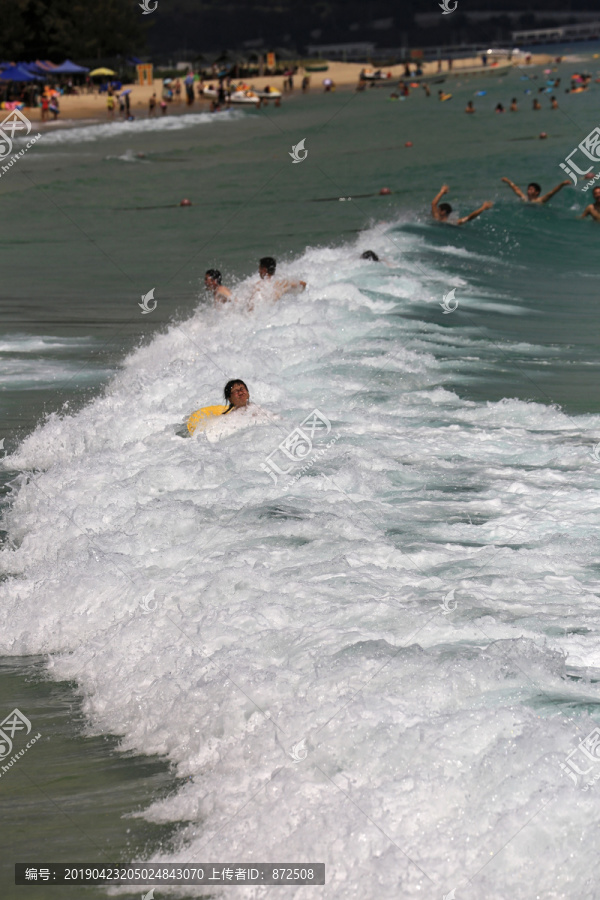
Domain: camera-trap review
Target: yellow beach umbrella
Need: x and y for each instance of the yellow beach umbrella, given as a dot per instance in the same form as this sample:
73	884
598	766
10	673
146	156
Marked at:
103	71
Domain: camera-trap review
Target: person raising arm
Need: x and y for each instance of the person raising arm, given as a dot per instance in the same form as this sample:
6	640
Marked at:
477	212
534	191
441	211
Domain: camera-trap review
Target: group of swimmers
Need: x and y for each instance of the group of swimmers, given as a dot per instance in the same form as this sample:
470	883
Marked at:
441	211
274	288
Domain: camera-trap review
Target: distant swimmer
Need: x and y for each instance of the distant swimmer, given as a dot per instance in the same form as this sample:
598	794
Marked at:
370	254
499	108
534	191
212	282
513	105
441	211
553	102
266	269
593	209
536	104
443	96
237	396
469	107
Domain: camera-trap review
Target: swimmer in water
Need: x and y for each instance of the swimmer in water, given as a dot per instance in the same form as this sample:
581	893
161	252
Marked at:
513	105
469	107
236	394
593	209
266	269
370	254
534	191
441	211
212	282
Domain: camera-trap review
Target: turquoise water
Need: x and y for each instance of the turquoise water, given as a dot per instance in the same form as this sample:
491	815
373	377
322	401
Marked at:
463	463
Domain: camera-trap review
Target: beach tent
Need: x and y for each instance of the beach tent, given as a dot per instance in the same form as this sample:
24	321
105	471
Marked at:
102	71
16	73
43	66
70	68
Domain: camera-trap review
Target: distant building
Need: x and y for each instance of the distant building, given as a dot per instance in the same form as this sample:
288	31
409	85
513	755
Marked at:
357	52
585	32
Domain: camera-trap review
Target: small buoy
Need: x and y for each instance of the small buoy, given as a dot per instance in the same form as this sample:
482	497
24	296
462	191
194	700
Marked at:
408	144
385	191
185	202
543	135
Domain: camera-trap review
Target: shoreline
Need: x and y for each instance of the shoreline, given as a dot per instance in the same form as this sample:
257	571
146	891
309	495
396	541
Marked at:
74	108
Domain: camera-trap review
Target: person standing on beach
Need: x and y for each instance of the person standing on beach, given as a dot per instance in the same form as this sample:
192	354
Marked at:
152	105
593	209
110	104
441	211
534	190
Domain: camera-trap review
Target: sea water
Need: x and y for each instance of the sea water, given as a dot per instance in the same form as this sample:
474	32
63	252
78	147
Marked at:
361	626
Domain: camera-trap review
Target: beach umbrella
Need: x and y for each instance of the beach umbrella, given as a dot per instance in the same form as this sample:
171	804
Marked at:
102	71
70	68
16	73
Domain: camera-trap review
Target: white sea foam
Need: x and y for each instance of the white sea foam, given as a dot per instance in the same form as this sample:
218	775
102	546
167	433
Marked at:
118	128
312	608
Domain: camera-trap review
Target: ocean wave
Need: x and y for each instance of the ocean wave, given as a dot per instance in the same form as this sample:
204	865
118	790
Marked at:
384	576
98	131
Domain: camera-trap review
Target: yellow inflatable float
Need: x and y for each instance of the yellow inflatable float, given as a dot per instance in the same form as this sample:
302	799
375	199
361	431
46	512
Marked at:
205	413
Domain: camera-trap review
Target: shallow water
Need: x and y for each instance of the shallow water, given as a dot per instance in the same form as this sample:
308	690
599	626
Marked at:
379	659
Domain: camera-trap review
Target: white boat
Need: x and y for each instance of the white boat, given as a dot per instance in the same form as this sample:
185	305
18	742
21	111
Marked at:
273	94
244	97
236	96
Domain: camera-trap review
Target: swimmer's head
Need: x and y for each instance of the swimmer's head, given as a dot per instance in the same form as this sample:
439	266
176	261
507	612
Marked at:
445	209
369	254
596	194
212	279
533	190
266	266
236	393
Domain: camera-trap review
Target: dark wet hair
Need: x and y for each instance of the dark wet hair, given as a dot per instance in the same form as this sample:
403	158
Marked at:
268	263
229	385
214	274
445	207
369	254
536	186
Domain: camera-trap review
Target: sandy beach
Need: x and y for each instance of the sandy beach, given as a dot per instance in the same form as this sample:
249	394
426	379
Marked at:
344	75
